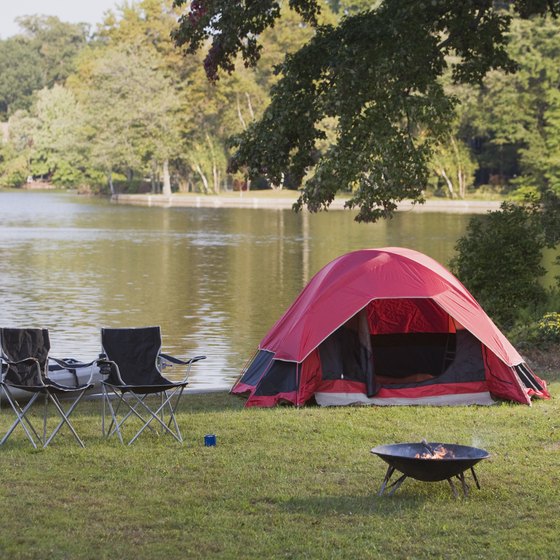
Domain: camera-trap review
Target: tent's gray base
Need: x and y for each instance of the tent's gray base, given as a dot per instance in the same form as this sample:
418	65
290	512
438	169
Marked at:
346	399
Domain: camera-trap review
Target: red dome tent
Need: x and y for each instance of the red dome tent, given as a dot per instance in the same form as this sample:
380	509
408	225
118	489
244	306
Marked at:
386	326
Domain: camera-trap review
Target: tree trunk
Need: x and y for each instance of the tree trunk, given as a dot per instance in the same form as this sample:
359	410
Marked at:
153	179
250	106
166	190
239	114
198	169
448	181
216	177
111	185
215	172
461	178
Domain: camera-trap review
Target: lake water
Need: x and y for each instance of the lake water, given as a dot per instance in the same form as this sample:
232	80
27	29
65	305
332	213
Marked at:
215	280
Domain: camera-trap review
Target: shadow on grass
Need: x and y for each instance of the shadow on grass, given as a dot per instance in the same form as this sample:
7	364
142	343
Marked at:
194	403
211	402
351	505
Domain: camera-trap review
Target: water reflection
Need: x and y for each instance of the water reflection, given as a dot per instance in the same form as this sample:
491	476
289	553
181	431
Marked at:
214	279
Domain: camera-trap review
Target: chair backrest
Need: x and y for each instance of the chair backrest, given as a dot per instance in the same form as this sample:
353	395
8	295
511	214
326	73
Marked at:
22	344
136	352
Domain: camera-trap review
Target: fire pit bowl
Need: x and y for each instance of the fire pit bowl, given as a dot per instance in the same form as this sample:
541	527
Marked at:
429	462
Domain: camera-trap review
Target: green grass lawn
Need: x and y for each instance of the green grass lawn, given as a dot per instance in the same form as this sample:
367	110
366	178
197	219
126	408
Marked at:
283	483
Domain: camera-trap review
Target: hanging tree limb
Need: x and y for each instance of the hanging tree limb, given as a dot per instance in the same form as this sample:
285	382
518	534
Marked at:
377	73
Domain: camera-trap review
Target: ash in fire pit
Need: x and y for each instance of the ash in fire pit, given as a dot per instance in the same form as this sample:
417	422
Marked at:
429	462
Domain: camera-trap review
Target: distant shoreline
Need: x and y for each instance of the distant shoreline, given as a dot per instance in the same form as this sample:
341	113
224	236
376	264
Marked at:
247	200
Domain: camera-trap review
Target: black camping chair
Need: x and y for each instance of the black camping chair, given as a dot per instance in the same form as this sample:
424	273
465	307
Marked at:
25	366
132	369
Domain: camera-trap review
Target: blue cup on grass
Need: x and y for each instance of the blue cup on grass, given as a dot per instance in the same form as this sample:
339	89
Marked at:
210	440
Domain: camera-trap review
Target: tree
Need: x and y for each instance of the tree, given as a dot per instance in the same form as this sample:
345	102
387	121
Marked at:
517	117
20	75
57	43
17	152
537	84
41	56
377	73
59	149
130	109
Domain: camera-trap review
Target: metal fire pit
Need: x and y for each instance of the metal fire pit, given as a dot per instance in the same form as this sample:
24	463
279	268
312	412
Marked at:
426	462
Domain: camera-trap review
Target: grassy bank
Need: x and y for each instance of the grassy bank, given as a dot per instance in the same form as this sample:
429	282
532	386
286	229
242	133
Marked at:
284	483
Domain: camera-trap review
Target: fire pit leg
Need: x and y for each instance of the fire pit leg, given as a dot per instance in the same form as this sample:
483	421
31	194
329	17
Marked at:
461	477
453	489
388	475
393	486
475	478
396	485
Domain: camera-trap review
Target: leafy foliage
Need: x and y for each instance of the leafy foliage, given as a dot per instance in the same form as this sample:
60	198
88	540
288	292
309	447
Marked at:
549	327
20	75
14	167
499	260
58	149
130	108
453	165
43	55
543	333
57	43
377	73
250	19
518	118
359	104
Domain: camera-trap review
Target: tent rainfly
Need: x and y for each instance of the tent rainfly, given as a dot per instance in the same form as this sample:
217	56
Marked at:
386	326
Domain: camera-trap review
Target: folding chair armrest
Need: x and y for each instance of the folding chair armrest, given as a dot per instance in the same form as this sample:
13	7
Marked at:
106	366
6	363
175	360
69	363
72	365
11	363
196	359
188	362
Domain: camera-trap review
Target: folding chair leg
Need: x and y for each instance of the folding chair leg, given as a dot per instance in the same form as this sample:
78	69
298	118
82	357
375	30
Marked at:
64	418
107	404
21	419
137	407
174	420
45	415
114	422
154	416
132	410
173	410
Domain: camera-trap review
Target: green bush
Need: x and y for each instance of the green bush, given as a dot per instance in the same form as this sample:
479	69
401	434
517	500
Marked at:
540	333
548	328
499	261
13	170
